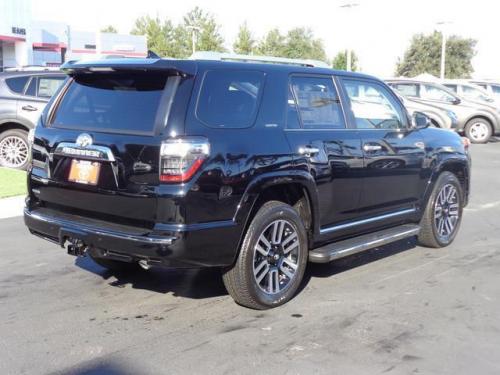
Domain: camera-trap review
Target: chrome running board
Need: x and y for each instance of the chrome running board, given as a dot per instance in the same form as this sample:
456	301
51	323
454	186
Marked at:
355	245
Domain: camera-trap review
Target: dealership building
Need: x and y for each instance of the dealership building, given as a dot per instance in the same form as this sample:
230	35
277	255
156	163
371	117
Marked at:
24	41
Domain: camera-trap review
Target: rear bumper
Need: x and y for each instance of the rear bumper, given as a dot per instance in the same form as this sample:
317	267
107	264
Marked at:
206	245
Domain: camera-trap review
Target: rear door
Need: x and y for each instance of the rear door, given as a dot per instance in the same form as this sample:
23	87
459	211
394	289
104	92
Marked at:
37	93
393	151
101	143
325	147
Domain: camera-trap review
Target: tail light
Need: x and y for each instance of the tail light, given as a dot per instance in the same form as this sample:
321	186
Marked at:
181	158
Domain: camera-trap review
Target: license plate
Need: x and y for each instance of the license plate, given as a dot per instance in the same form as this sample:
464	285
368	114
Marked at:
84	172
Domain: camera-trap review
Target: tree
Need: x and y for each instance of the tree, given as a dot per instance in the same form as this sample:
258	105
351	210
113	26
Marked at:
109	29
424	56
245	43
298	43
273	44
160	35
340	61
301	44
208	37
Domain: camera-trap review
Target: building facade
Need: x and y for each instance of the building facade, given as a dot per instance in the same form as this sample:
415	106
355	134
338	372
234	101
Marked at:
24	41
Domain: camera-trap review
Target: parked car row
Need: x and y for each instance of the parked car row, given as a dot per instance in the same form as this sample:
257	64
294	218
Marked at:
473	111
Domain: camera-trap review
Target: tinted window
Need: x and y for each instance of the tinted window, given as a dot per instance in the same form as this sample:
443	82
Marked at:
292	114
318	102
373	106
435	93
407	89
229	98
496	89
17	84
111	102
31	90
47	86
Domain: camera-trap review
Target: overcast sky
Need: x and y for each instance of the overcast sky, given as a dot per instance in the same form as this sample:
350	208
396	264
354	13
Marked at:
378	30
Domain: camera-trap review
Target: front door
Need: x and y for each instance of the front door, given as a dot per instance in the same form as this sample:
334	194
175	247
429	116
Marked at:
324	147
393	151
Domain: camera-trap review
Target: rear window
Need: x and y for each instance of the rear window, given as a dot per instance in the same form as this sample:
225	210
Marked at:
16	84
111	102
229	98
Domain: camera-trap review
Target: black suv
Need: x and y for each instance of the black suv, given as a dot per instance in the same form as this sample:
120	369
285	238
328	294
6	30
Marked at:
23	96
251	167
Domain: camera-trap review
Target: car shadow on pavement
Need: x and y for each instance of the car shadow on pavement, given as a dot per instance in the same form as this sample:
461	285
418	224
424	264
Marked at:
207	282
357	260
188	283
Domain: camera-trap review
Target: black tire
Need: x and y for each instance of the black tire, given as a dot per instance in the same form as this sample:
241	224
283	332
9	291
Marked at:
240	281
430	234
478	130
14	139
114	265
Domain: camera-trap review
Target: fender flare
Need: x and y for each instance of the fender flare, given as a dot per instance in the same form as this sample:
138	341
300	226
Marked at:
438	169
17	121
275	178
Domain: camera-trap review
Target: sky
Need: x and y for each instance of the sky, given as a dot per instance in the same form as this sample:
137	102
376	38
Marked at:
378	30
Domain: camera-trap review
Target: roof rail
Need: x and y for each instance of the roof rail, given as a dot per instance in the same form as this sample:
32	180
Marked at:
30	68
220	56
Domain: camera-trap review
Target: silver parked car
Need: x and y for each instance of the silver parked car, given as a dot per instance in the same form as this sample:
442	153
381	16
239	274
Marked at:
472	92
23	96
477	121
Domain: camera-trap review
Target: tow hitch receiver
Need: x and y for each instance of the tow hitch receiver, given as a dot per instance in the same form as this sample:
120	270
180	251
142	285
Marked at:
76	239
77	247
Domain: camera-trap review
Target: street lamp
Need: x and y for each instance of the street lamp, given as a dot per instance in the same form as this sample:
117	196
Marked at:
349	52
194	30
443	47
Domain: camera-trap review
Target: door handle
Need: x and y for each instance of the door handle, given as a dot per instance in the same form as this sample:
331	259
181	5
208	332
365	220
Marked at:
372	148
29	108
308	150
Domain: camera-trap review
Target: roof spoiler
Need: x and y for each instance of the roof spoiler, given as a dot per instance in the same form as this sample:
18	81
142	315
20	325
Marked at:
180	67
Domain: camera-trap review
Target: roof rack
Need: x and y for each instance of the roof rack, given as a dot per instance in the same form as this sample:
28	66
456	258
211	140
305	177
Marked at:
220	56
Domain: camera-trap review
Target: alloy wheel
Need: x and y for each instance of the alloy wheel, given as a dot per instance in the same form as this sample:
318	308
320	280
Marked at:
276	255
446	211
13	152
479	131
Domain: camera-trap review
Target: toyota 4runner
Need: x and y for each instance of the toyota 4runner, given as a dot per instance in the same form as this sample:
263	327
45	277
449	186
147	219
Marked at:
252	167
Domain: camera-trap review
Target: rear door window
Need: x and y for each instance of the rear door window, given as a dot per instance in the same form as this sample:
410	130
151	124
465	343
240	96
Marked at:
229	98
407	89
111	102
317	102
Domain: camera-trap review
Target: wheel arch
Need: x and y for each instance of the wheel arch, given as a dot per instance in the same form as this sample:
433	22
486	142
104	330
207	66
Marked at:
296	188
10	124
459	167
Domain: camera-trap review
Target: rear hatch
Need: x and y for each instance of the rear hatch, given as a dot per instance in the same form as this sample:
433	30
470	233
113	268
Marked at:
97	149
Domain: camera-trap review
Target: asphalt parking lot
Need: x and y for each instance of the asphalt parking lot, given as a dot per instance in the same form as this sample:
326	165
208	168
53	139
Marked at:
399	310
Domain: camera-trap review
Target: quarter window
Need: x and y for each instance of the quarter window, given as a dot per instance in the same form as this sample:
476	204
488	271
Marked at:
229	98
373	106
317	102
16	84
47	86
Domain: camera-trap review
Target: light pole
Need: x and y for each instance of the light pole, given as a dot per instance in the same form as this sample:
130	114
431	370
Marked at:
443	47
194	30
349	52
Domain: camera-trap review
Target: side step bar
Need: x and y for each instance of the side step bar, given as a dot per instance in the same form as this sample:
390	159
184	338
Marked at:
355	245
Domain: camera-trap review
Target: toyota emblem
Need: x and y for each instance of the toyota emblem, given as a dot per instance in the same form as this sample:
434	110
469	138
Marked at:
84	140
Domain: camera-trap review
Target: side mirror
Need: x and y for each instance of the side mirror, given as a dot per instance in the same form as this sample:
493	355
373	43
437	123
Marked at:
420	120
456	101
